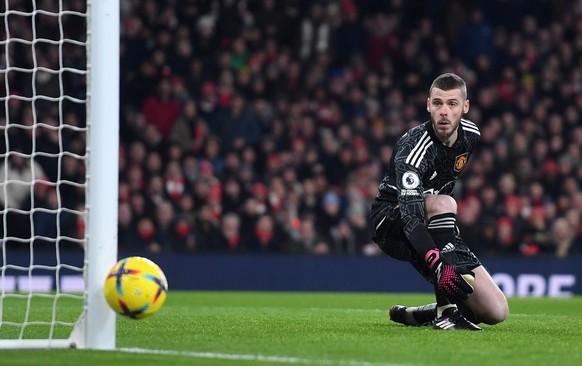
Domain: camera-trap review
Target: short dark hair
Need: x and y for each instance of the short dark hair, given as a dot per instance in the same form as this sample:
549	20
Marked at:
449	81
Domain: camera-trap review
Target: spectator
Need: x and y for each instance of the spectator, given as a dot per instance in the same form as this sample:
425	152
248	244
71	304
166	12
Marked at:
162	109
154	164
564	239
165	238
212	153
469	212
241	127
536	234
230	20
190	130
343	239
272	21
330	215
350	35
233	196
476	38
266	236
174	182
19	174
146	232
307	239
72	176
231	236
314	34
127	235
382	38
207	231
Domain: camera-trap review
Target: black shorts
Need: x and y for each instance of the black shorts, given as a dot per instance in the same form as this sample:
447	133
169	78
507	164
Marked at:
386	228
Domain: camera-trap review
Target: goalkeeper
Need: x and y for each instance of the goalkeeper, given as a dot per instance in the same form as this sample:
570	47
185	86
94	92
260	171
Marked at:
413	217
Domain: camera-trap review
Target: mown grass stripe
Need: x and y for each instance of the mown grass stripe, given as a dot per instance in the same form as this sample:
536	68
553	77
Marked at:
255	358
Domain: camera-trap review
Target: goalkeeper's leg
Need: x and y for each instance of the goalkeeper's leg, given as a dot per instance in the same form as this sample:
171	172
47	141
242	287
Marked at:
487	304
413	315
426	314
441	222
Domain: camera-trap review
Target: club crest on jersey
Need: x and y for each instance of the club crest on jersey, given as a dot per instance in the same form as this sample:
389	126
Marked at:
410	180
460	162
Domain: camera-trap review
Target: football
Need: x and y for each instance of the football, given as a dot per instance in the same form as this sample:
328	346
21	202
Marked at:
135	287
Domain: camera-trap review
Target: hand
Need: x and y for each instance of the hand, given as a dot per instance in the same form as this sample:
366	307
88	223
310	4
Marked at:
452	283
449	279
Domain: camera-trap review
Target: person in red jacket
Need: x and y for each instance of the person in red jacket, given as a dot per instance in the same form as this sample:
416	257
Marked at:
162	109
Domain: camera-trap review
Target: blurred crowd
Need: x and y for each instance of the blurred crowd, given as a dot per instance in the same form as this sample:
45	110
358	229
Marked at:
265	126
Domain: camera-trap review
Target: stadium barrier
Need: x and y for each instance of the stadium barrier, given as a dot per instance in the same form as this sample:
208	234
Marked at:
523	277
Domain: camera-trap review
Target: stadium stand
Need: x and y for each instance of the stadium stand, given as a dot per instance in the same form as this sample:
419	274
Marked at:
264	126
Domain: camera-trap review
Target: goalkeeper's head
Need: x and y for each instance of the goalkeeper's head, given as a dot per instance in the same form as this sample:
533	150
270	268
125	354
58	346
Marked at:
447	103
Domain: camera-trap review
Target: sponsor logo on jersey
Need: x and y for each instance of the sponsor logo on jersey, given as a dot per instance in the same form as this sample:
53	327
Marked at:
461	162
409	192
410	180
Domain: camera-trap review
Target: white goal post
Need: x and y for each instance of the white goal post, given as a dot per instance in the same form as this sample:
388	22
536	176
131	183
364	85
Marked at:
26	299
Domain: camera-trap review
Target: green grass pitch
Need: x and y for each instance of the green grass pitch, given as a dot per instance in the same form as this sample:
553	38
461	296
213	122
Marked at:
352	329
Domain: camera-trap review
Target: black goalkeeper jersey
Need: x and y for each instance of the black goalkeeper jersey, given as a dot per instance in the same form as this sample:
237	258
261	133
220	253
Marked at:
421	164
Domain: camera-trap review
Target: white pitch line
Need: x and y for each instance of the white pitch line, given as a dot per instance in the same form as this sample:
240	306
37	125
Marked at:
256	358
276	308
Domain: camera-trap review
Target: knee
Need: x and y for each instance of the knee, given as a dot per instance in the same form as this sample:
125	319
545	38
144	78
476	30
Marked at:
497	313
440	204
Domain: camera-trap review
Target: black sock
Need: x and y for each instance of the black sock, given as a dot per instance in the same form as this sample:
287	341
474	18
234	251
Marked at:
424	314
442	230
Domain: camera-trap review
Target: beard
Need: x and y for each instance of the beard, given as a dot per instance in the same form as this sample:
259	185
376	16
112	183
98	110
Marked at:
446	129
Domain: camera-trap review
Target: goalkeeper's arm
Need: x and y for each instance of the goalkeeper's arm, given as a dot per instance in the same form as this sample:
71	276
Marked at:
449	278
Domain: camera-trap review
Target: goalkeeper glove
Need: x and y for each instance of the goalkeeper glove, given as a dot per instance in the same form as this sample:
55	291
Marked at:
449	278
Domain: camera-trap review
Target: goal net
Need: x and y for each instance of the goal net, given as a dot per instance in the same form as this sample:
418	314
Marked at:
58	171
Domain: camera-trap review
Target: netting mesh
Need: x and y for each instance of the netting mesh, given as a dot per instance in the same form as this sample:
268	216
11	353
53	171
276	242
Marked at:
43	71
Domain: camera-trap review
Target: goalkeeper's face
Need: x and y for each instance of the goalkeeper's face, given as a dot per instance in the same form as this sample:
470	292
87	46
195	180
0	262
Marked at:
446	108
